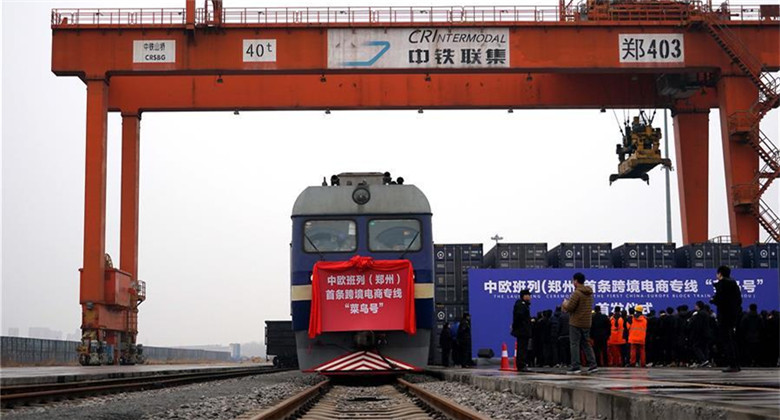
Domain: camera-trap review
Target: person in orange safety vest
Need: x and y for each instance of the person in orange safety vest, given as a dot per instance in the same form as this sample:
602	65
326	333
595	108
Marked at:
616	340
636	336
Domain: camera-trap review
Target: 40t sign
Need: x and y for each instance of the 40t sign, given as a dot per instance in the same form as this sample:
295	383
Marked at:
259	50
651	48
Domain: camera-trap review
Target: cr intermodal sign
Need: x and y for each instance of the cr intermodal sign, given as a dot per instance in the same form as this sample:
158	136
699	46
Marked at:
493	292
418	48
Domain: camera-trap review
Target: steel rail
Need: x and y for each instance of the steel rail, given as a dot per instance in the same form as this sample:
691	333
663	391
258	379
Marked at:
445	405
289	406
308	398
20	394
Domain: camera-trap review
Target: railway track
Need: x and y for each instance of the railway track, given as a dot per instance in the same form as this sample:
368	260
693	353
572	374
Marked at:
11	396
400	400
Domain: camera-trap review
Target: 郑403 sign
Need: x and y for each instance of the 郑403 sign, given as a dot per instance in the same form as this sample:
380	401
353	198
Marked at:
651	48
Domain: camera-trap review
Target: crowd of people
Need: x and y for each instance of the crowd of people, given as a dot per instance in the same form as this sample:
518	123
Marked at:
681	337
455	342
678	337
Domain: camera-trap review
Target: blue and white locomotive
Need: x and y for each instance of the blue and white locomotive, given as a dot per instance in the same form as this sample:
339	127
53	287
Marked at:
370	215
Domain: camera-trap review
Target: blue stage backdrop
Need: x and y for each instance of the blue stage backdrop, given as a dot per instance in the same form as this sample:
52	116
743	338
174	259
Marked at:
493	292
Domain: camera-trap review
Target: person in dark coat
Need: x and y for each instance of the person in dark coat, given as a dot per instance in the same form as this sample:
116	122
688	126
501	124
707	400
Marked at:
750	336
651	342
764	350
772	334
564	347
532	344
600	331
666	332
464	340
445	341
728	299
699	335
625	351
521	328
681	343
537	331
547	343
454	327
555	329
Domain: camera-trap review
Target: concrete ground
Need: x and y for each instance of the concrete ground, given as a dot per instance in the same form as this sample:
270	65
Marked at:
47	374
623	393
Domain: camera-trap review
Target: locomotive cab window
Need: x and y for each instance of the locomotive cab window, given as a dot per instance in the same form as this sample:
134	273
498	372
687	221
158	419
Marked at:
394	235
329	236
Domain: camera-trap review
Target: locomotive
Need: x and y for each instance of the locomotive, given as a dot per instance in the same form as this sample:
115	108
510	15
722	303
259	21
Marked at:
362	275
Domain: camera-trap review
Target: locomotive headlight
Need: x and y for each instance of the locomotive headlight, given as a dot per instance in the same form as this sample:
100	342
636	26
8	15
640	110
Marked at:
361	195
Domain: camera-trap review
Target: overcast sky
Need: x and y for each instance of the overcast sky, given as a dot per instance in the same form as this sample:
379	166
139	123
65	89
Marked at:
217	189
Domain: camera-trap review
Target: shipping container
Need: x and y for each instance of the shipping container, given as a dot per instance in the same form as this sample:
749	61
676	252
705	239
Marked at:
580	255
454	257
516	255
446	294
729	254
280	342
452	262
709	255
449	313
644	255
761	256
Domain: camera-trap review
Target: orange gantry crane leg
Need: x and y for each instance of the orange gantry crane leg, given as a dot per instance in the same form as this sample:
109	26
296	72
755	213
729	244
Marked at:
92	284
737	94
691	141
109	296
128	240
128	235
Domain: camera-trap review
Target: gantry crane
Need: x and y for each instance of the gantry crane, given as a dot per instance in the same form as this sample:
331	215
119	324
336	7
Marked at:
681	55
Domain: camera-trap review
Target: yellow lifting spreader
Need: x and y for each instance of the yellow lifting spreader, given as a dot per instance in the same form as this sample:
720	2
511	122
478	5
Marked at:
640	151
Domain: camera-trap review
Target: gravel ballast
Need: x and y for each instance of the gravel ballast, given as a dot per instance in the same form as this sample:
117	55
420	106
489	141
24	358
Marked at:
502	405
225	399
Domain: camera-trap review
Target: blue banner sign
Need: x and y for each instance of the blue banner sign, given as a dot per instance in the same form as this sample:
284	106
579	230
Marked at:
493	292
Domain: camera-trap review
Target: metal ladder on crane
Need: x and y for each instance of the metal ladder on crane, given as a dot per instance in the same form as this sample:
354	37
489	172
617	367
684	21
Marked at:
746	124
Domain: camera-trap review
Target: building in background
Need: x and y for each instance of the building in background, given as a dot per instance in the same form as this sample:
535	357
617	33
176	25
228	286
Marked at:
235	351
45	333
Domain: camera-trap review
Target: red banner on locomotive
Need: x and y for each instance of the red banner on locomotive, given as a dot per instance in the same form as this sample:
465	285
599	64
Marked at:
362	294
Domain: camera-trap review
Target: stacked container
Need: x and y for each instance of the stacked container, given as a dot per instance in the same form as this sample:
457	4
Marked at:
709	255
452	263
280	342
644	255
580	255
451	286
517	256
761	256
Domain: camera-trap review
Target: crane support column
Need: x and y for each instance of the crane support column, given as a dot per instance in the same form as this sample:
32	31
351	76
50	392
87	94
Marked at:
128	351
93	272
691	131
93	285
736	95
128	239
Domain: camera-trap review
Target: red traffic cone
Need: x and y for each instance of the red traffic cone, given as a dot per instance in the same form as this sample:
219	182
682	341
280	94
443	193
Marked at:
505	358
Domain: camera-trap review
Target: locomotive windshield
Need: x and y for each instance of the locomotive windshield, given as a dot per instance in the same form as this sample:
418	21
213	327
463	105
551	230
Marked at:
394	235
329	236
